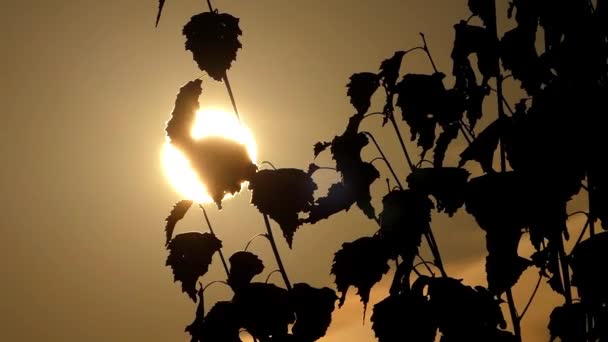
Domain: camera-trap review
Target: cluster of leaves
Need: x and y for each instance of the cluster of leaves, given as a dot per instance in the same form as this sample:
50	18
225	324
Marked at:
550	147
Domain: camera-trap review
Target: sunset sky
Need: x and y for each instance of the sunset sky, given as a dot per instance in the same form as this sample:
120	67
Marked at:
87	88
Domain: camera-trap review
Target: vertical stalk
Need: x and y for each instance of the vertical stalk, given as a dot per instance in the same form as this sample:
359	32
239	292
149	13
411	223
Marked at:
220	250
276	252
563	261
493	27
391	118
435	249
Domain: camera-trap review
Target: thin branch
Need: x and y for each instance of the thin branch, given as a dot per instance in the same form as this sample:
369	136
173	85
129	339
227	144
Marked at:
428	53
216	282
391	118
220	250
368	134
426	264
253	239
275	250
270	274
268	163
523	313
580	237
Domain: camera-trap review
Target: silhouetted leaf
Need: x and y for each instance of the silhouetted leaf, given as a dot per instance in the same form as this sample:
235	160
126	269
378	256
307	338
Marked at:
179	127
190	256
213	39
243	267
389	70
339	197
282	194
222	323
177	213
478	40
448	185
569	323
313	308
483	147
195	329
360	263
320	147
360	90
161	4
448	134
222	165
474	105
518	54
503	265
404	315
420	99
265	310
483	9
589	278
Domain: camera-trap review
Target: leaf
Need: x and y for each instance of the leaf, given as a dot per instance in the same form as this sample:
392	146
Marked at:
389	70
503	265
475	97
177	213
480	41
518	54
282	194
222	323
587	274
179	127
420	98
320	147
339	197
569	323
190	256
243	267
195	329
360	90
406	314
483	9
213	39
450	132
448	185
483	147
221	164
361	264
265	310
313	308
161	4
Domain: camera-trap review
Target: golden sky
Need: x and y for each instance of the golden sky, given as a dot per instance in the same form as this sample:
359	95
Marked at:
87	88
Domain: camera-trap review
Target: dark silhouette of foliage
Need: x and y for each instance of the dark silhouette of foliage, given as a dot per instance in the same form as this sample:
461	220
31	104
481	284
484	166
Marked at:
213	39
535	158
360	90
177	213
361	264
243	267
282	194
313	308
190	256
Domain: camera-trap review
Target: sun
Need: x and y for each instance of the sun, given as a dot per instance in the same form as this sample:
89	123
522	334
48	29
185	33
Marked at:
209	122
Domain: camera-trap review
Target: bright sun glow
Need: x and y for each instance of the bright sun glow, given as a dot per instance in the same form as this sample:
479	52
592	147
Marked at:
209	122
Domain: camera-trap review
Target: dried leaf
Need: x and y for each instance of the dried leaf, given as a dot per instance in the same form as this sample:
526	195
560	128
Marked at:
177	213
389	71
449	133
483	147
222	323
448	185
569	323
406	314
503	265
360	90
282	194
339	197
179	127
320	147
265	310
313	308
213	39
483	9
161	4
587	275
360	263
478	40
243	267
221	164
190	256
518	54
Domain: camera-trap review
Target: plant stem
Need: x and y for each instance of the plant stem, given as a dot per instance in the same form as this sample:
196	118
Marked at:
563	261
435	250
275	250
513	313
523	313
368	134
391	118
211	230
428	53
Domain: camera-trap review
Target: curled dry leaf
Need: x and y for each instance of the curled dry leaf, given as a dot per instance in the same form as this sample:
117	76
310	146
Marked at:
360	90
243	267
190	256
213	39
282	194
313	308
177	213
389	71
448	185
407	314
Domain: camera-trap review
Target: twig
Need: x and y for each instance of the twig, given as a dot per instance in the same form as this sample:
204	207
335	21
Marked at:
211	230
270	274
368	134
253	239
391	118
428	53
275	250
216	282
540	277
268	163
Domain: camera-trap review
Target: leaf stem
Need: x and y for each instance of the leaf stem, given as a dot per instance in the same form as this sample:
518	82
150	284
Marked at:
270	275
275	250
523	313
430	237
513	313
390	167
253	239
391	118
563	261
428	53
220	250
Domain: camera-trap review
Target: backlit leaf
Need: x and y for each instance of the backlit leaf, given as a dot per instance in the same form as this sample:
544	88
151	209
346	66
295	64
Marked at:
518	54
484	9
360	90
177	213
190	256
213	39
339	197
408	314
313	308
569	323
361	264
243	267
503	265
590	278
320	147
477	40
448	185
179	127
483	147
389	70
282	194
